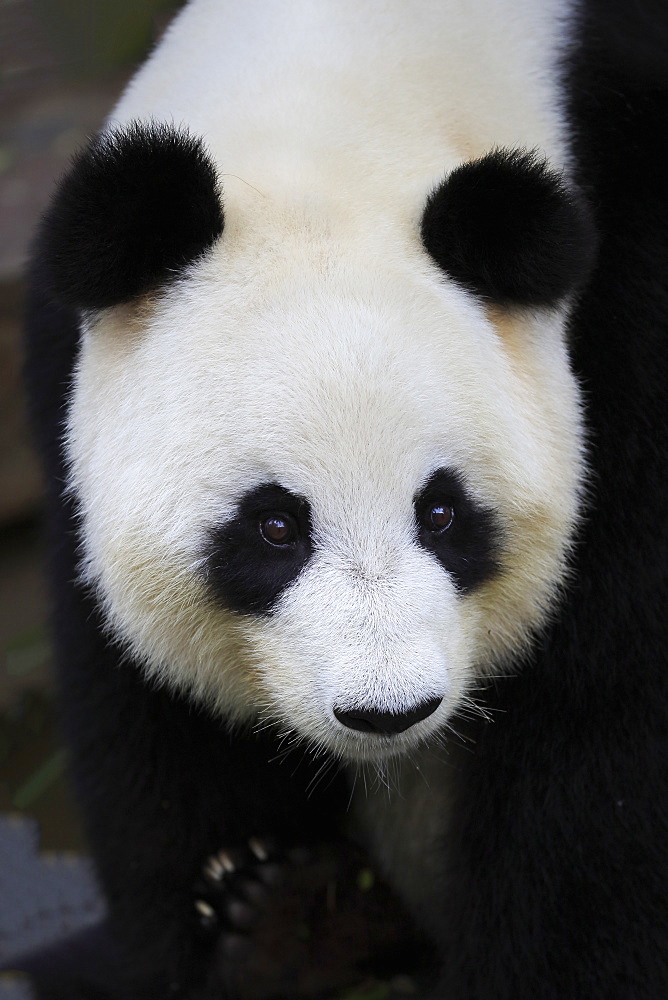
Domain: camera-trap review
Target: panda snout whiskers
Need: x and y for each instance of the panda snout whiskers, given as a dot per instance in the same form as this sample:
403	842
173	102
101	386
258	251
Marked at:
372	720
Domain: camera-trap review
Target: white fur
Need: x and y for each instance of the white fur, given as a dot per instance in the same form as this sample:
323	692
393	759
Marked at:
318	346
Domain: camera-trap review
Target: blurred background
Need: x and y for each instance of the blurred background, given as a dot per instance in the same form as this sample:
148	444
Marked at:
63	64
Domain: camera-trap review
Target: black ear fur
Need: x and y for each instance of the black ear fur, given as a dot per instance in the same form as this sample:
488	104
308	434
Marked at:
138	205
508	228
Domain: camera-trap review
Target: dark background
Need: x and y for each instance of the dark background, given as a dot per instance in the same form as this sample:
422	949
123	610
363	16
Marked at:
63	64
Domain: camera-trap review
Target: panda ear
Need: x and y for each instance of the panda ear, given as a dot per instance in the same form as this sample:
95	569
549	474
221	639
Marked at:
509	229
137	206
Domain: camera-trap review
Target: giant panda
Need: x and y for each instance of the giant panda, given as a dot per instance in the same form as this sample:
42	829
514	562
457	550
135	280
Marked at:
345	347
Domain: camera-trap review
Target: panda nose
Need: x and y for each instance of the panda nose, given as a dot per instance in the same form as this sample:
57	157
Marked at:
372	721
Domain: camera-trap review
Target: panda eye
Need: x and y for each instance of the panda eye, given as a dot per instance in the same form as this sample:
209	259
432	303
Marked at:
279	529
439	517
462	533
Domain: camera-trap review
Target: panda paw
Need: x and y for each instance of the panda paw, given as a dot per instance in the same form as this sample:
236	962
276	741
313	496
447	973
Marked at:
296	922
235	888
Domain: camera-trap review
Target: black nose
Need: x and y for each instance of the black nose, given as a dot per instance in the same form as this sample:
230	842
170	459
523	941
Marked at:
371	721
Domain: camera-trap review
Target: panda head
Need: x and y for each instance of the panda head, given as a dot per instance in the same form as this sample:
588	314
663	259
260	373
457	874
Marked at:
327	454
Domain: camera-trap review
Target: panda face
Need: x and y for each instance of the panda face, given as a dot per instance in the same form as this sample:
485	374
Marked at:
320	490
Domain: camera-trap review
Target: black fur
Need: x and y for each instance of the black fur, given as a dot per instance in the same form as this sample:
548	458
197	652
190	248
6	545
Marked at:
508	228
557	885
468	549
137	206
244	572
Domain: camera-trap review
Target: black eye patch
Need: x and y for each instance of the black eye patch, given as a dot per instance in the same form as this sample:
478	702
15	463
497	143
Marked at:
243	569
510	229
137	206
463	535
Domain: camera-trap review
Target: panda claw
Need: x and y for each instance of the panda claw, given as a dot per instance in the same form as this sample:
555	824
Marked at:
224	858
203	907
259	848
213	870
208	917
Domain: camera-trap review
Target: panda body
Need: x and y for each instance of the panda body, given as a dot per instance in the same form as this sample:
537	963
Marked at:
323	445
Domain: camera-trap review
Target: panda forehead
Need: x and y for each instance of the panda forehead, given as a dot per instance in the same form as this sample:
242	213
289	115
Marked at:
344	431
344	367
318	317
